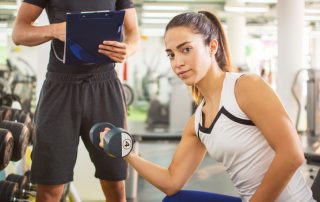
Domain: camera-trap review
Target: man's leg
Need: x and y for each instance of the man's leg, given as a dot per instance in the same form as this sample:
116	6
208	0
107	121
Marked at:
49	193
104	102
114	191
56	137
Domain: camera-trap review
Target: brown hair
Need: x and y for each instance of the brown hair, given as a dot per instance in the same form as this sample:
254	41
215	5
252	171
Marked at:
209	26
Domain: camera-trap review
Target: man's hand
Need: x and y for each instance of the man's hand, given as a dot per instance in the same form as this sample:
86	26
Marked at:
59	31
117	51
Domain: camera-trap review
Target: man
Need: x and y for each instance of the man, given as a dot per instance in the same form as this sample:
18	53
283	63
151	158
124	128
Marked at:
74	97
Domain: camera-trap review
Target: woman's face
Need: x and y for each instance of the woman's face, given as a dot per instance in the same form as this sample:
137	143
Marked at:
190	58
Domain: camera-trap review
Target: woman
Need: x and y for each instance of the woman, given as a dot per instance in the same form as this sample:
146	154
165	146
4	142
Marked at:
239	120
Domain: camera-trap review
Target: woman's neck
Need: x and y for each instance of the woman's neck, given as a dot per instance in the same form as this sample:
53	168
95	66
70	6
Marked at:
211	85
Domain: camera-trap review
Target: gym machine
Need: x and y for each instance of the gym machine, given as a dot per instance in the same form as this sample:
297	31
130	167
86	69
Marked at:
313	102
307	81
306	91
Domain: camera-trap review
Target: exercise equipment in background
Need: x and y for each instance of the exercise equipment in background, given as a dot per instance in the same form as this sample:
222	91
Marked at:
128	93
15	131
306	91
18	85
21	136
25	189
9	192
6	147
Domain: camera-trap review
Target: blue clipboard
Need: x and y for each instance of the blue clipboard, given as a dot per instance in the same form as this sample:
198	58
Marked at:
86	30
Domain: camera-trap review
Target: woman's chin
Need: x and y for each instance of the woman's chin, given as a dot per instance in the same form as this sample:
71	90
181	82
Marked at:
188	83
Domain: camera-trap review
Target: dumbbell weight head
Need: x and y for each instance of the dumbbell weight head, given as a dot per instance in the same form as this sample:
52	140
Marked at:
15	114
25	118
8	191
21	180
6	147
29	186
21	137
5	113
117	141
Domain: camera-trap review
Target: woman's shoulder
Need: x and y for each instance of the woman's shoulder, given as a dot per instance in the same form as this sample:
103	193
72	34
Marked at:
251	86
247	80
243	81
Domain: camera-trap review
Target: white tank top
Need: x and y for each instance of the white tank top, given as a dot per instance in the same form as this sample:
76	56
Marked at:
238	144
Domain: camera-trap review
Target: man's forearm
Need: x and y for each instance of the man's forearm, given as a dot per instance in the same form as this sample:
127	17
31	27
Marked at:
132	40
29	35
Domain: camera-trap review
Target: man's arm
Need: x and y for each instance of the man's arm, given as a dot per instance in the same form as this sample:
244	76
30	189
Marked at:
25	33
131	31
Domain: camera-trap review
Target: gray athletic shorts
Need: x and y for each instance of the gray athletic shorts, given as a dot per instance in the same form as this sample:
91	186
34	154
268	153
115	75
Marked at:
69	105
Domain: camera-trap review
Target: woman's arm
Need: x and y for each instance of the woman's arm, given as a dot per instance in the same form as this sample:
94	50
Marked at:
264	108
186	159
25	33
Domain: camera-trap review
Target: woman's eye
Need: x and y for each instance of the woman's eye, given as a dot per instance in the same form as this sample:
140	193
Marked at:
186	50
170	56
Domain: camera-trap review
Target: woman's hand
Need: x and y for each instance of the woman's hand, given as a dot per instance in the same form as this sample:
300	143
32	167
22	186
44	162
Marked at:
117	51
102	134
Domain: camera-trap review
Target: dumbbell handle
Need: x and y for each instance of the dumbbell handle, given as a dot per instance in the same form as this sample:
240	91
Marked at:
27	192
30	187
19	200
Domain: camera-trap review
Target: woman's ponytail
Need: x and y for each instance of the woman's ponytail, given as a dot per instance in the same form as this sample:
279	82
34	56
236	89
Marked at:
223	55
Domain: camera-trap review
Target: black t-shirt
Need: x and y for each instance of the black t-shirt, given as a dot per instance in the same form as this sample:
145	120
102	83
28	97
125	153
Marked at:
56	10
